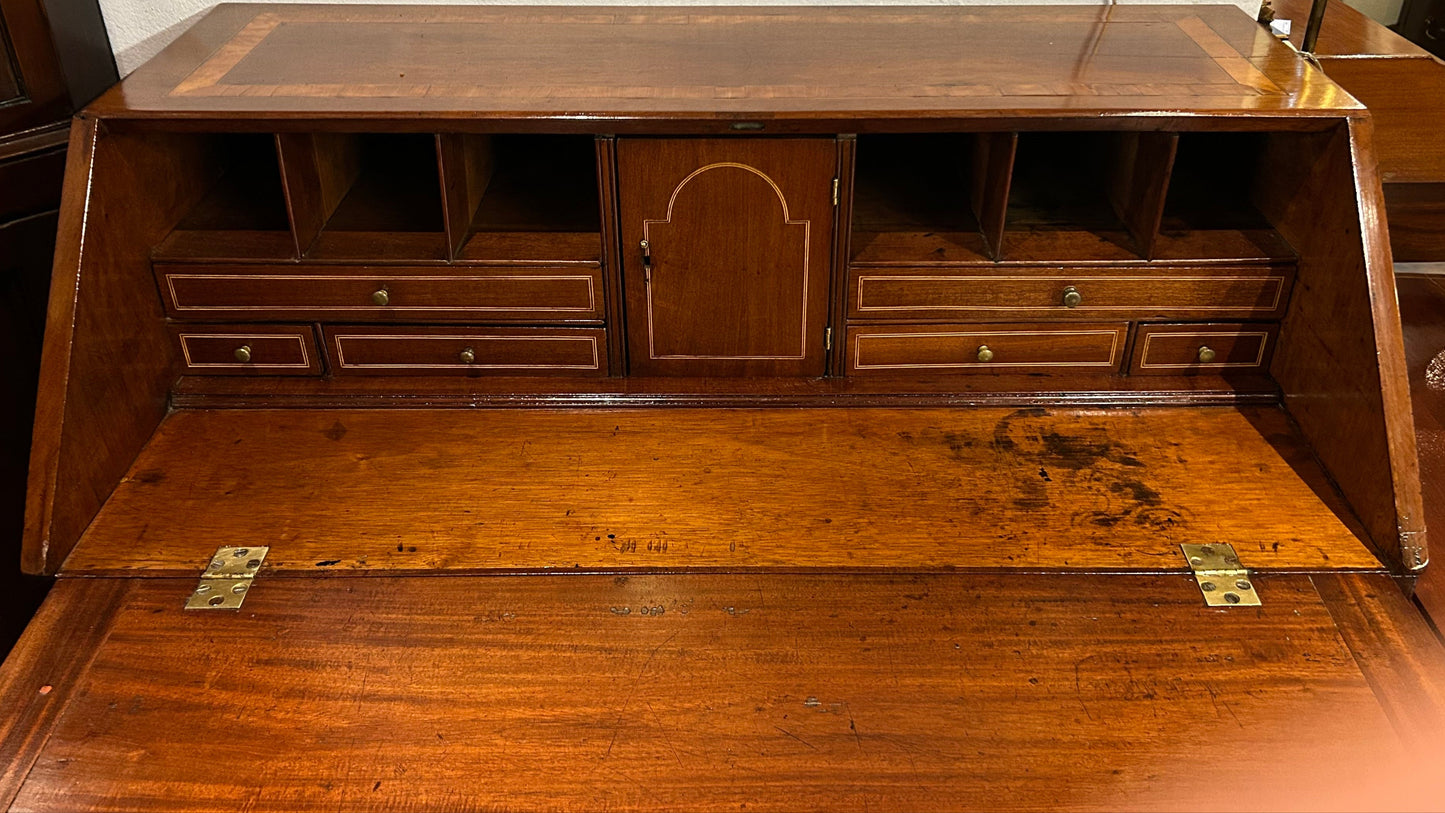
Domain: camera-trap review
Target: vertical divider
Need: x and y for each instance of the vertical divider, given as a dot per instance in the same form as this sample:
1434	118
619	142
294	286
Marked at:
614	296
1139	183
317	170
842	252
993	161
464	163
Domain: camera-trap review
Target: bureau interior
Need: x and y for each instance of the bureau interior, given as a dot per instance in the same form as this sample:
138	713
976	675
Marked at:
1047	329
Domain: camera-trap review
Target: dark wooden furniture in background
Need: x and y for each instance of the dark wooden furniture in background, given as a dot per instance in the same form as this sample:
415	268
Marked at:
1403	85
54	57
1423	22
995	336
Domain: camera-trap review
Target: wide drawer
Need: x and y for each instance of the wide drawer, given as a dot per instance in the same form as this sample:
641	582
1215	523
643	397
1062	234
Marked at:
923	293
248	349
377	350
893	349
1202	348
364	293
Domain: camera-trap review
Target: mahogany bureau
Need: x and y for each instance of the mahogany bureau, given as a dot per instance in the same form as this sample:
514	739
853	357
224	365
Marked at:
696	409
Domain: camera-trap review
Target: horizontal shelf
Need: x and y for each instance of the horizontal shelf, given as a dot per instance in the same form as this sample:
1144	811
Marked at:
1069	247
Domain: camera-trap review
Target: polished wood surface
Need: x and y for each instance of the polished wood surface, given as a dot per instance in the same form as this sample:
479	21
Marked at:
646	69
109	361
734	275
45	668
1422	309
1340	359
1417	221
416	490
708	692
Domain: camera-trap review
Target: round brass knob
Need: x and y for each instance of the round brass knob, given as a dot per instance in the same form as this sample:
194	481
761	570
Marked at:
243	353
984	354
381	297
467	356
1072	297
1206	354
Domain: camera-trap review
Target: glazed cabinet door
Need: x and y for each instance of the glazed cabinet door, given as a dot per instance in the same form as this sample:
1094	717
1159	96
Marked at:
726	254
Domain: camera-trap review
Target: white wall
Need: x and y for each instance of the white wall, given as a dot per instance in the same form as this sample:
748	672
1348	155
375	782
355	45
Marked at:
139	29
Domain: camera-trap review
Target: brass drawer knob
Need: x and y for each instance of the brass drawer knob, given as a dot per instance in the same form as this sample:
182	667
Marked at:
243	353
467	356
1206	354
984	354
1072	297
381	297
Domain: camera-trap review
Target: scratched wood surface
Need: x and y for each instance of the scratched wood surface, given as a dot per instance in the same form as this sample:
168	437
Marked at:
796	62
423	490
724	692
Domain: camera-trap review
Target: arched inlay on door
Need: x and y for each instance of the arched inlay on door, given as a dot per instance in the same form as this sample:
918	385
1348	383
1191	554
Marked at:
728	254
734	276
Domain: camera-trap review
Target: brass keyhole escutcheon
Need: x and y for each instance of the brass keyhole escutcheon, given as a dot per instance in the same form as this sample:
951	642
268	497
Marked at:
468	356
243	353
1072	297
1206	354
984	354
381	297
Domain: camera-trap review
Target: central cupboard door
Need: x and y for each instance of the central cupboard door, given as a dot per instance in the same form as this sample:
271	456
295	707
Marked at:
726	247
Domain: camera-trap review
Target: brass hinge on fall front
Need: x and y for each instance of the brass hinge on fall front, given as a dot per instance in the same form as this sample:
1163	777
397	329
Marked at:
227	578
835	192
827	338
1222	580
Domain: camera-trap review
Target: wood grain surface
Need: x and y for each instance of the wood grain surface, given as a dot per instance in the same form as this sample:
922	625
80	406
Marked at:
1422	311
711	692
635	65
45	668
422	490
1340	358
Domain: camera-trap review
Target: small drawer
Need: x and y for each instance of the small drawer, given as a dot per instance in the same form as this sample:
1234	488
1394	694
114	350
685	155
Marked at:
1202	349
1030	292
923	349
248	349
392	294
368	350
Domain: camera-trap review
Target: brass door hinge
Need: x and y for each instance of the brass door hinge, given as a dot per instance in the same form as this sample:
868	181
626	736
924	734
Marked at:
827	338
227	578
835	191
1222	580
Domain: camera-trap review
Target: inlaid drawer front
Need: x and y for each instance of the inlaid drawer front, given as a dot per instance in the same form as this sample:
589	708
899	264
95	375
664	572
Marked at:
1168	293
248	349
1202	348
374	350
915	349
443	293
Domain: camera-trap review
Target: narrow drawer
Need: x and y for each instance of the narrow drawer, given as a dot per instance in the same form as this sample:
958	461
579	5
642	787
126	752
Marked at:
248	349
364	293
1202	348
368	350
1061	293
928	349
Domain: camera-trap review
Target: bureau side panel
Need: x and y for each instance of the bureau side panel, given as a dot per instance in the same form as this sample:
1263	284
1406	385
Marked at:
108	361
1340	361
